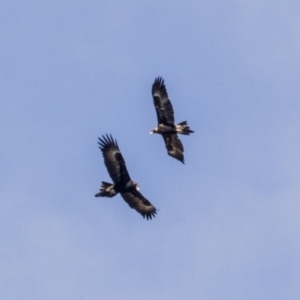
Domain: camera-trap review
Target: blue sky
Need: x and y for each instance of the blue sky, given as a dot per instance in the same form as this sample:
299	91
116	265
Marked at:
228	225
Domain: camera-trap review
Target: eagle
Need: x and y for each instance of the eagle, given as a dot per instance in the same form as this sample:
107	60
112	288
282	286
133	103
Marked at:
165	118
122	183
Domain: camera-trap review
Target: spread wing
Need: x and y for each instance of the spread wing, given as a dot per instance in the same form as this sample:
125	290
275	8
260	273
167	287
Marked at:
138	202
113	159
163	105
174	146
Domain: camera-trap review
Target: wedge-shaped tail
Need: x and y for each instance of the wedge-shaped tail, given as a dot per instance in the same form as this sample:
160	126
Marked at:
107	190
183	128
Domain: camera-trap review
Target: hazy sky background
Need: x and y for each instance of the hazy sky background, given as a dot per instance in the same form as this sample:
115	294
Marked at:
228	225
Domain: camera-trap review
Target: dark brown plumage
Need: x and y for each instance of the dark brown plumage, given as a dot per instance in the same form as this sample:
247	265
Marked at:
165	118
123	184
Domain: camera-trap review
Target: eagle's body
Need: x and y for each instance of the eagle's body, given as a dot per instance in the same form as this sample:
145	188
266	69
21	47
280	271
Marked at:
123	184
166	124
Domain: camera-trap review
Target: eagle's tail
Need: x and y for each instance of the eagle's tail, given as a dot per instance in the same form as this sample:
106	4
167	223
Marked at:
106	190
183	128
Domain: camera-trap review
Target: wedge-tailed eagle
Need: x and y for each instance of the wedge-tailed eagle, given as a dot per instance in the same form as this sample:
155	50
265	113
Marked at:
122	182
165	118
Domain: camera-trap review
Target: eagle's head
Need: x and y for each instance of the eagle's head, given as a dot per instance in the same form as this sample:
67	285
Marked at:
154	130
136	186
131	184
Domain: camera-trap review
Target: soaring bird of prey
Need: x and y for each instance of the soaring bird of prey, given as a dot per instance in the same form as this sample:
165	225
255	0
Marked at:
122	183
165	118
